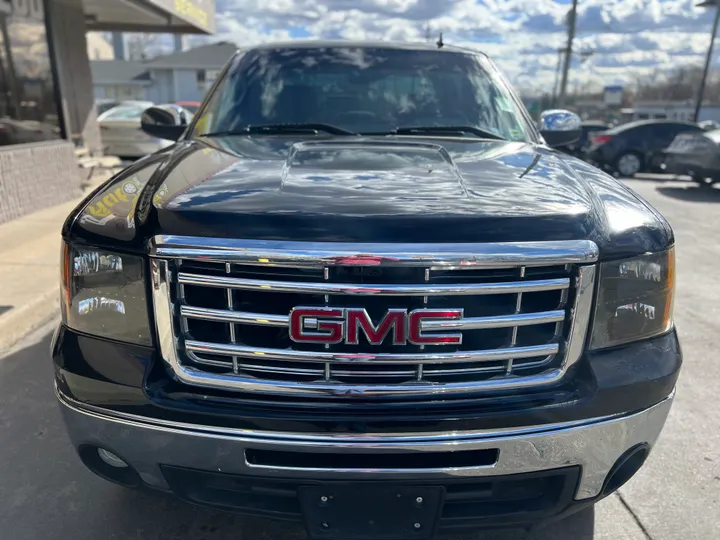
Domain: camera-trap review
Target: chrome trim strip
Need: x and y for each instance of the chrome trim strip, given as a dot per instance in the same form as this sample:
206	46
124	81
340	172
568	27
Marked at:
318	372
389	289
332	438
468	323
364	358
580	315
454	471
594	444
236	317
484	368
406	373
322	254
500	321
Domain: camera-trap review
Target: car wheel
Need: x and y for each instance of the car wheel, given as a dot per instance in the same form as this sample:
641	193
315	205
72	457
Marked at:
629	164
704	181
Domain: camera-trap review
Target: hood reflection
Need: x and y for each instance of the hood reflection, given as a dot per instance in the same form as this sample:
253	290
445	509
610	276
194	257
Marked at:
378	176
381	189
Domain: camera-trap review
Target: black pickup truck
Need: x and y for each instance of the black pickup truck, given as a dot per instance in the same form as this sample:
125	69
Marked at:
363	292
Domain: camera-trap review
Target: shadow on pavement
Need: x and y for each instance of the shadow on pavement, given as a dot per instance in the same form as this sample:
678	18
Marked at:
47	490
178	520
692	193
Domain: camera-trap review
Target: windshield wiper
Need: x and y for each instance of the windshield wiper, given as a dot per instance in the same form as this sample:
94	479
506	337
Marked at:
445	130
290	128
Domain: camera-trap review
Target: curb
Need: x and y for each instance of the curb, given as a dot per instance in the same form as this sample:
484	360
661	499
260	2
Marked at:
20	321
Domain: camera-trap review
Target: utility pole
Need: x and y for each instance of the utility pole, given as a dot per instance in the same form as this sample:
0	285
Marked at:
568	53
701	91
560	52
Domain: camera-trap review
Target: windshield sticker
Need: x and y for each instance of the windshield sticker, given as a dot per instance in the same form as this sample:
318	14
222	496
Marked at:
503	104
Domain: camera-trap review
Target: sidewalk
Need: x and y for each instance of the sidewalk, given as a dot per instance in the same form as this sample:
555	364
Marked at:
30	267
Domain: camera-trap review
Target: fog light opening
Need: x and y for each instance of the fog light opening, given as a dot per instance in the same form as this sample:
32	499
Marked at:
111	459
108	465
625	467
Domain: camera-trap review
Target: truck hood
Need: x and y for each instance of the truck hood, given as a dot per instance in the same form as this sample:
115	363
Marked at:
398	189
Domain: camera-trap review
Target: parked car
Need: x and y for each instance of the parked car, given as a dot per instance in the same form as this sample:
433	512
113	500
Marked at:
191	106
636	147
104	105
363	294
709	125
589	129
696	155
122	135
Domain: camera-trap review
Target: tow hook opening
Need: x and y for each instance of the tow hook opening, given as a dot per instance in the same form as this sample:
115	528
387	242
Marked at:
625	468
109	465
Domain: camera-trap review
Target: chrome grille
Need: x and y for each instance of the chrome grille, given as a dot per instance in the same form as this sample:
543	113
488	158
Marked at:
222	312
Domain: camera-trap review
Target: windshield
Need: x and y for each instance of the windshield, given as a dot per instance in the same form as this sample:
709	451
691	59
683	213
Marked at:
363	90
123	113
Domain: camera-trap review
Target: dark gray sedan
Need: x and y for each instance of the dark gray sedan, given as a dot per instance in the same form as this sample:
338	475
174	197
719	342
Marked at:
696	155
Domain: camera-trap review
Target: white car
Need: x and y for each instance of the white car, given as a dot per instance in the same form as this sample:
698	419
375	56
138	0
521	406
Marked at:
121	133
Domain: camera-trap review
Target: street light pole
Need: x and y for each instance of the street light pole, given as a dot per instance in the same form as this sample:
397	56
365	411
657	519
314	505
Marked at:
701	91
568	53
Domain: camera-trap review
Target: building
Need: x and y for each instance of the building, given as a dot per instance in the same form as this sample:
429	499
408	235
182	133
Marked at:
186	75
98	47
46	90
180	76
670	110
119	80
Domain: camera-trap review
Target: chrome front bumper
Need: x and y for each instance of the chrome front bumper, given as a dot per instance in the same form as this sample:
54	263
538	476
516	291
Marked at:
594	444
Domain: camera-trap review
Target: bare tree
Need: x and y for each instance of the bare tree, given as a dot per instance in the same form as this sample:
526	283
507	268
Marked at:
139	46
680	84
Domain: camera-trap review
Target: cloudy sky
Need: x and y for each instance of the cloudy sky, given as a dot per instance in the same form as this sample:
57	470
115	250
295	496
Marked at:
628	37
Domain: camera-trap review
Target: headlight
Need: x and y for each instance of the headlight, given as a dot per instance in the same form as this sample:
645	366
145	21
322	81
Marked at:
103	294
635	299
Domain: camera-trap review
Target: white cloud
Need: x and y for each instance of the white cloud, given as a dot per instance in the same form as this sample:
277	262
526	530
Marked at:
629	37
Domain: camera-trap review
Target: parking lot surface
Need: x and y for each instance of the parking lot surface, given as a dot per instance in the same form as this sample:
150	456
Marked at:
45	492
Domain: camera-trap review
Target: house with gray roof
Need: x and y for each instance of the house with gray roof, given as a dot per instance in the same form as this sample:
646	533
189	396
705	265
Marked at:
180	76
186	75
119	80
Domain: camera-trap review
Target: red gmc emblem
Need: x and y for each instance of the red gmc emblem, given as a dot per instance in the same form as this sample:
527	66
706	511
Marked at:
328	325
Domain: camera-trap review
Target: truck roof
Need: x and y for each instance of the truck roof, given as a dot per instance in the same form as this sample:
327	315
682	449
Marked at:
339	43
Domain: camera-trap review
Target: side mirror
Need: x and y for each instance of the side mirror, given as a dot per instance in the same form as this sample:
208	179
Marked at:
559	127
164	122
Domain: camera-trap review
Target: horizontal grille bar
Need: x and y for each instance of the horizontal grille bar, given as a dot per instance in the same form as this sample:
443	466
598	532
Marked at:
234	317
322	254
468	323
382	358
404	373
373	290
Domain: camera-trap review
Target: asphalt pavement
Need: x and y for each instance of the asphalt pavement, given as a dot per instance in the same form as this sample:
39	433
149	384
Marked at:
45	492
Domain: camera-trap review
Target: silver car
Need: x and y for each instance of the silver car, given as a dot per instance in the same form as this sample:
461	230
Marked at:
121	133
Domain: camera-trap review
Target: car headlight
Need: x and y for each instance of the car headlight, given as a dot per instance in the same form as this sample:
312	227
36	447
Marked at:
103	294
635	299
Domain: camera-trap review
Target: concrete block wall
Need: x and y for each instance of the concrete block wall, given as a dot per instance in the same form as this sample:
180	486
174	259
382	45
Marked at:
33	177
